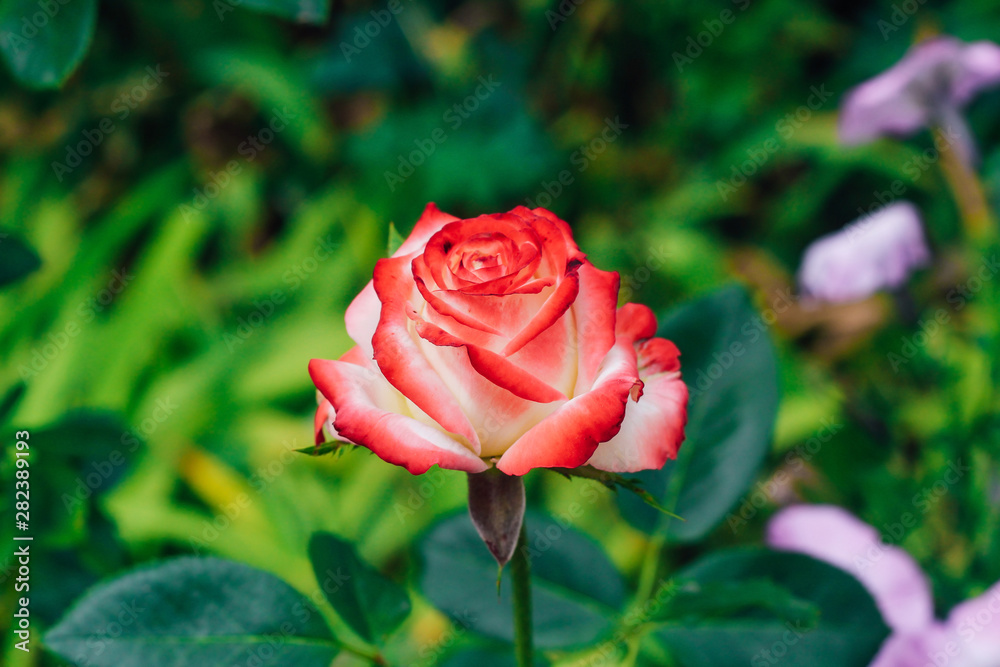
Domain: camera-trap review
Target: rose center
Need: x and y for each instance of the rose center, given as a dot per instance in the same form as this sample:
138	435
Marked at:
481	257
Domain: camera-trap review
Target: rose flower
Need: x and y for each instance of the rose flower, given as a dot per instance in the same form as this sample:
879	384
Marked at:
493	341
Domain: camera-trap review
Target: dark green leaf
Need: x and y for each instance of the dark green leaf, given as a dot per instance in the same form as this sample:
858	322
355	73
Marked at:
17	259
370	604
724	598
846	631
615	481
577	592
728	362
301	11
44	43
194	611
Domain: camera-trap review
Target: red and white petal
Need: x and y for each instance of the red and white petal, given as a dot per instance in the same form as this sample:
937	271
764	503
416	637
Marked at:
493	367
399	356
370	412
594	313
653	428
323	417
554	308
569	436
430	223
361	318
362	315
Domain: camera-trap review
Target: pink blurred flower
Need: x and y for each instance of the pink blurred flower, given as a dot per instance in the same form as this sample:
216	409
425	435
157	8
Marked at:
969	637
929	86
873	253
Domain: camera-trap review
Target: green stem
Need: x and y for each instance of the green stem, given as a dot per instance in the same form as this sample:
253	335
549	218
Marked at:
967	189
520	570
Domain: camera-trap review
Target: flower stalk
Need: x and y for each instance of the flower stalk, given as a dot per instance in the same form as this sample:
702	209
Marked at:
969	196
520	570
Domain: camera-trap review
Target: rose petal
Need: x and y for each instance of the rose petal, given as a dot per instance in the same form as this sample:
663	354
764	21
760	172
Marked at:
556	305
362	315
831	534
370	412
399	356
569	436
594	312
494	367
323	414
653	428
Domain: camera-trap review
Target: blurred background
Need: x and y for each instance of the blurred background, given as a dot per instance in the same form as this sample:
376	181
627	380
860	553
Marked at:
188	206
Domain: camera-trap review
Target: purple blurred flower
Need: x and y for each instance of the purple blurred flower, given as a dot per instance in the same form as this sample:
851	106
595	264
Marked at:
969	637
876	252
929	86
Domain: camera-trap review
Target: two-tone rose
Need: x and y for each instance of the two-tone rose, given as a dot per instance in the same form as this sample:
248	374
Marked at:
494	342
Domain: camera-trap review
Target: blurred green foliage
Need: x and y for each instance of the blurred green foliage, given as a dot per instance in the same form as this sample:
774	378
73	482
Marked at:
191	193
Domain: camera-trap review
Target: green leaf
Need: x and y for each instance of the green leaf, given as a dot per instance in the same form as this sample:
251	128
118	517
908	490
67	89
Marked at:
842	627
335	447
395	240
194	611
370	604
576	591
724	598
615	481
44	45
301	11
728	362
17	259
